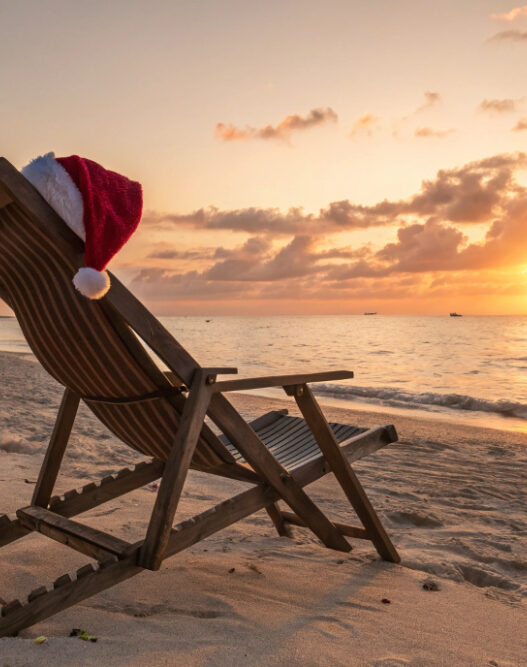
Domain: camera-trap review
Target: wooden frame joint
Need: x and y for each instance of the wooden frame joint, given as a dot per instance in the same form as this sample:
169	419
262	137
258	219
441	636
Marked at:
294	389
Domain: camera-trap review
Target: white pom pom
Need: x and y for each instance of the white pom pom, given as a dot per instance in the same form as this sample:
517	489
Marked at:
92	283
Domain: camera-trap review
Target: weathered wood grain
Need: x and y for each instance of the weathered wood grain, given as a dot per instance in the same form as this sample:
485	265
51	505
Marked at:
245	384
76	535
56	448
343	472
175	473
254	451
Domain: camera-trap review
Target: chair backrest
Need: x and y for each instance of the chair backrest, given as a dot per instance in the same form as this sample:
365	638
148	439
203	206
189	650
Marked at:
81	343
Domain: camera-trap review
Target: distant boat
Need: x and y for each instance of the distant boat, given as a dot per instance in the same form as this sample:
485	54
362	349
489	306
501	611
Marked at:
370	313
455	315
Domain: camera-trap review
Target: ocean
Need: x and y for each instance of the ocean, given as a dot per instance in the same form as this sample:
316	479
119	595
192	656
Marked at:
469	369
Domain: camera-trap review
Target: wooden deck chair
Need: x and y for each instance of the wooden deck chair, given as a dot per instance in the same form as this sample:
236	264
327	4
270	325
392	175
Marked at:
91	349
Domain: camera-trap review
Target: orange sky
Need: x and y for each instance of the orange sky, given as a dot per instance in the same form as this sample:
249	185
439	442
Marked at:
296	157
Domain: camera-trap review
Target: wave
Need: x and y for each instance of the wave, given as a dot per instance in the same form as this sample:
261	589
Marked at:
408	399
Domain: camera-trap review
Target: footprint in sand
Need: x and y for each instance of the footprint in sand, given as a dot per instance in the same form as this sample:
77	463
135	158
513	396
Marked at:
333	628
144	610
482	578
415	519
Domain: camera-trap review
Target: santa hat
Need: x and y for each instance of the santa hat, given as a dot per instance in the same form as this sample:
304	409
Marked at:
103	208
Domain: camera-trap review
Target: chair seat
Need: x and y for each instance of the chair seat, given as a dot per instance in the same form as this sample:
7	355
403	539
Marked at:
290	440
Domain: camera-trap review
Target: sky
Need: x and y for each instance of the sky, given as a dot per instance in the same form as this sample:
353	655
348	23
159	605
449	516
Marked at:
296	157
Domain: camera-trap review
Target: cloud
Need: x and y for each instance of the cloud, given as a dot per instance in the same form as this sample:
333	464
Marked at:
426	258
474	193
282	131
431	100
294	256
423	247
509	36
513	14
520	125
364	125
297	258
252	220
498	106
173	253
436	246
428	133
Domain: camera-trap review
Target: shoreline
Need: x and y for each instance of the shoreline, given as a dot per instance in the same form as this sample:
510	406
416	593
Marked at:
464	419
443	419
453	499
410	425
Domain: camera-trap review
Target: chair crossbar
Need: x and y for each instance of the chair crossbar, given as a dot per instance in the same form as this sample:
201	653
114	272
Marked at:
93	578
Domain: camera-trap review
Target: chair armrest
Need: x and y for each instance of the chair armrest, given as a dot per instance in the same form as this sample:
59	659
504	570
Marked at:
210	374
280	381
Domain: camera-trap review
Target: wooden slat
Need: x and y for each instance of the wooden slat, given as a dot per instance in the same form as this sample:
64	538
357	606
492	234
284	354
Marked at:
367	442
231	471
11	530
269	432
36	593
175	473
116	485
285	434
344	473
266	420
290	441
292	446
87	540
258	456
56	448
5	198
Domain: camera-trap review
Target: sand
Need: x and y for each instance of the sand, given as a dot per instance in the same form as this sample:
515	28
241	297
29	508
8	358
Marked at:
452	497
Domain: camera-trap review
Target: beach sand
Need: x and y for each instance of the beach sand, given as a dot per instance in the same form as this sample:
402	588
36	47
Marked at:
453	498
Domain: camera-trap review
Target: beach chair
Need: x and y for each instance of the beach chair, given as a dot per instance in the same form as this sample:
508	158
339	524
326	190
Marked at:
92	349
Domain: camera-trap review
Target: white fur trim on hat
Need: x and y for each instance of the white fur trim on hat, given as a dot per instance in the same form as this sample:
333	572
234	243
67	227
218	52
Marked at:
92	283
58	189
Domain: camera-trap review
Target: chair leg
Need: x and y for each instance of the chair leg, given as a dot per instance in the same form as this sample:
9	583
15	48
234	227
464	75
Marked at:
343	472
56	448
282	528
175	473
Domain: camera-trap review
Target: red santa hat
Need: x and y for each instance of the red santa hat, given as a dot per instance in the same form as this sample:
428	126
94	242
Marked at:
103	208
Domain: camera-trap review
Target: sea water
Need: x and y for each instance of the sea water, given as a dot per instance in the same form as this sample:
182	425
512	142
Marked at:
462	368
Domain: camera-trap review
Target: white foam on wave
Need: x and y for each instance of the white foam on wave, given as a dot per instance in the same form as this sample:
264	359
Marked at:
407	399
